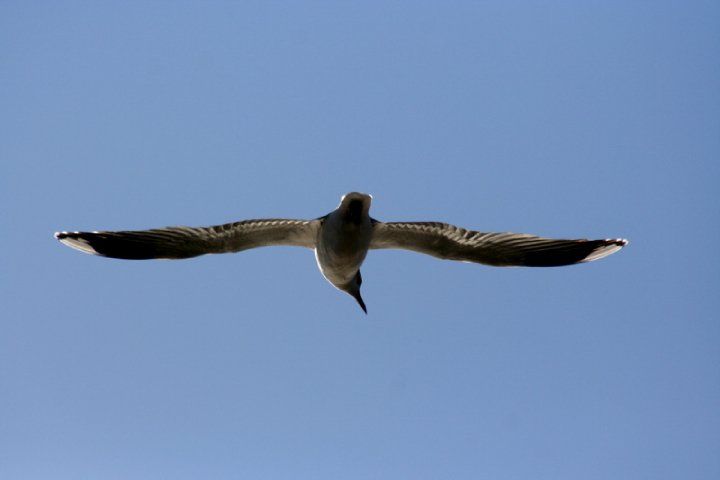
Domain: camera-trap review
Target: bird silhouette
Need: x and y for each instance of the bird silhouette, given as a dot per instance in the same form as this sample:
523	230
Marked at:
341	240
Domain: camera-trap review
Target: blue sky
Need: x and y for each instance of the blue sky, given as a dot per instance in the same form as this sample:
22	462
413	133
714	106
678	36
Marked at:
564	119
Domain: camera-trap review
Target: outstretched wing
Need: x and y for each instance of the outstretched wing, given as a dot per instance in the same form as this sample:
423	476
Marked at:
498	249
186	242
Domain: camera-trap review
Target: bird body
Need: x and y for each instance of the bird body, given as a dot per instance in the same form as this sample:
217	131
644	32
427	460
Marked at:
341	240
343	243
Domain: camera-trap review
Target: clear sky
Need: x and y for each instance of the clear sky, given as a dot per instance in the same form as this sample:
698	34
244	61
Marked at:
563	119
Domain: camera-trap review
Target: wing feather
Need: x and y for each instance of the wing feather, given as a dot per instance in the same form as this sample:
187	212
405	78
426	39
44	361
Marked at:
185	242
504	249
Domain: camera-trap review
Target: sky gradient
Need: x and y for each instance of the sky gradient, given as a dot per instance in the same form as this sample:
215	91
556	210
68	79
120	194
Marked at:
594	120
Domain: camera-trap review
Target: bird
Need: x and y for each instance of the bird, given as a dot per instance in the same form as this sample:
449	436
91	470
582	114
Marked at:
341	240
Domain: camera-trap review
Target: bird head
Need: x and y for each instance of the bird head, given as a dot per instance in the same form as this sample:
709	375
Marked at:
355	206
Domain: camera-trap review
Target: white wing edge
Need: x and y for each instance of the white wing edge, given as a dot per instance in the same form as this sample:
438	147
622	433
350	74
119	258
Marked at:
76	243
614	244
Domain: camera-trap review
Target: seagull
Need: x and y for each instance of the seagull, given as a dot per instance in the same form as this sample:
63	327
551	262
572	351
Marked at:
341	240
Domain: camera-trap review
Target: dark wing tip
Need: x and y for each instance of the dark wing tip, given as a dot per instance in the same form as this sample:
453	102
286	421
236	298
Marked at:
77	241
136	245
606	247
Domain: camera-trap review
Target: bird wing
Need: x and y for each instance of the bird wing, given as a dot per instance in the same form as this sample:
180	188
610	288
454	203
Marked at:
186	242
446	241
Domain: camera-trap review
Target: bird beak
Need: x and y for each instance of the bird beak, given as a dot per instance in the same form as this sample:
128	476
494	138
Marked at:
356	296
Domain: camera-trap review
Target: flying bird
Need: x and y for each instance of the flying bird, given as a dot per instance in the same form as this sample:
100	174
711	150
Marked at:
341	240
